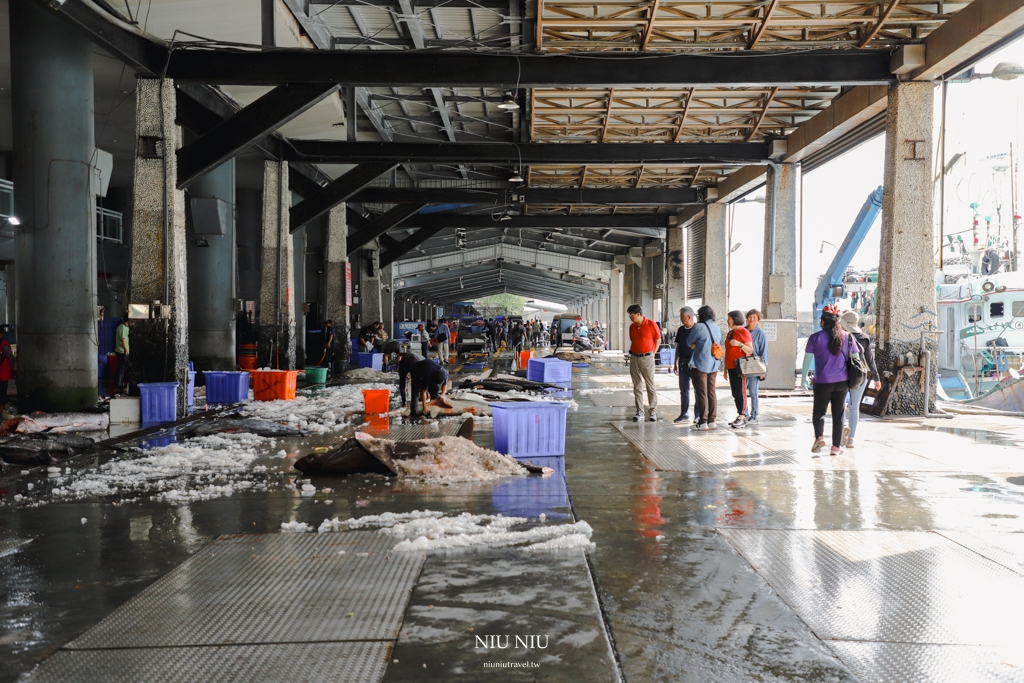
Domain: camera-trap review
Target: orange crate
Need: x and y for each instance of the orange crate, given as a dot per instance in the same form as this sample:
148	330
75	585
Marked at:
273	385
524	358
376	401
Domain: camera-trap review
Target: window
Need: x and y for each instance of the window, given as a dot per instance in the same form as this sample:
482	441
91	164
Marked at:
995	309
974	314
1017	309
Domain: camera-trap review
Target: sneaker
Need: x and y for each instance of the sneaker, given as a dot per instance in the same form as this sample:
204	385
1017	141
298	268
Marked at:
751	420
835	450
849	443
699	427
682	418
639	416
818	445
846	435
712	426
738	422
653	417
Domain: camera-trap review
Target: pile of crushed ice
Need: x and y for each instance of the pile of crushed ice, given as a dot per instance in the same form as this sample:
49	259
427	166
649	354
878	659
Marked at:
370	373
596	390
318	413
430	530
202	468
449	459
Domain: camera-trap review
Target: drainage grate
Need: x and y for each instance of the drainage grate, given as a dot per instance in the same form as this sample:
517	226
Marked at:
307	662
270	588
895	586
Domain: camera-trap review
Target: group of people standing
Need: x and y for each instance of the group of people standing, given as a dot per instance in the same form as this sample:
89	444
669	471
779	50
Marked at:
742	357
700	356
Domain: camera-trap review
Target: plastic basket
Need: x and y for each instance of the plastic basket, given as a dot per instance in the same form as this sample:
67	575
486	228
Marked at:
191	387
370	360
532	496
529	428
316	375
274	385
226	387
376	401
667	356
549	370
159	401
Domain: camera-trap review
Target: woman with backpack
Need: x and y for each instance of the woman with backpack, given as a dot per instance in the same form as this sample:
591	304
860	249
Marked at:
831	350
706	341
851	323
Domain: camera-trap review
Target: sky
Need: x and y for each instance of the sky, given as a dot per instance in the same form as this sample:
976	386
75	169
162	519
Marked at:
982	120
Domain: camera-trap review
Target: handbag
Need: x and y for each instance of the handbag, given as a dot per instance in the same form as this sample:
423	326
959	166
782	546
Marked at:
752	365
717	352
856	370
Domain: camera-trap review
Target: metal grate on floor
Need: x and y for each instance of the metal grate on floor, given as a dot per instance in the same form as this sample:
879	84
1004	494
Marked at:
10	545
412	432
269	588
356	662
892	586
624	399
908	662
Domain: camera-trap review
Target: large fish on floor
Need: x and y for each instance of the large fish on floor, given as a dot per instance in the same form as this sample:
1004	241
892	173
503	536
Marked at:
41	449
239	423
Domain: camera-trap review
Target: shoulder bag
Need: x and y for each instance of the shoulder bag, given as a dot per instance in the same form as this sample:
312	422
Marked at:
717	352
856	371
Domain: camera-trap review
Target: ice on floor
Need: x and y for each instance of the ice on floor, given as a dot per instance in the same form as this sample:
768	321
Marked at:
431	530
297	527
319	413
370	373
449	459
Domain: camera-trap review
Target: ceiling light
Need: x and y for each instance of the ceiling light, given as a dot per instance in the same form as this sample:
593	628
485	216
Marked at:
13	220
505	217
508	102
1008	71
516	178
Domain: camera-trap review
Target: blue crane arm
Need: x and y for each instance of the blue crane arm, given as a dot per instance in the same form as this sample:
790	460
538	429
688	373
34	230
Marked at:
837	269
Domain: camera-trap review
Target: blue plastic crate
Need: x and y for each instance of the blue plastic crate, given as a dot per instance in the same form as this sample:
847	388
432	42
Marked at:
529	428
534	495
549	370
370	360
159	401
191	386
667	355
227	387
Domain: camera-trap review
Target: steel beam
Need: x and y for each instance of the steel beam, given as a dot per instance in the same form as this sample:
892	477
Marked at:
444	69
408	244
617	221
337	191
611	197
262	117
380	225
338	152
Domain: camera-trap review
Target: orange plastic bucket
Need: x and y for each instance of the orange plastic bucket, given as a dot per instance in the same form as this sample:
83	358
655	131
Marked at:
376	401
273	385
524	358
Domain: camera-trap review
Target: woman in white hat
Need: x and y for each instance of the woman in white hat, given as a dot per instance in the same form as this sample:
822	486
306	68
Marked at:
850	322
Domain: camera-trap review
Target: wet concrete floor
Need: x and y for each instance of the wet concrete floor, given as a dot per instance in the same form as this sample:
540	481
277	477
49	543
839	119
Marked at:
721	557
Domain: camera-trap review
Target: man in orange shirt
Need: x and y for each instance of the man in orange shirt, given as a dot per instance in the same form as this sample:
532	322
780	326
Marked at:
644	340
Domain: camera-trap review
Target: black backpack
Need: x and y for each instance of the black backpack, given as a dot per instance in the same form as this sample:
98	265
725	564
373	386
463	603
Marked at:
856	369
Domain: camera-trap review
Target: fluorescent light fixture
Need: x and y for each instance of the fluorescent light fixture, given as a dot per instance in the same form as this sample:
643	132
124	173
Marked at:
13	220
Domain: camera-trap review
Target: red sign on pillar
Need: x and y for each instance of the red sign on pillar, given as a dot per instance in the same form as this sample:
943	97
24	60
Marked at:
348	283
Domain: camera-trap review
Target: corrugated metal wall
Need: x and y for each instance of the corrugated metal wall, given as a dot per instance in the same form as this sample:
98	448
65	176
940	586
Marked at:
696	236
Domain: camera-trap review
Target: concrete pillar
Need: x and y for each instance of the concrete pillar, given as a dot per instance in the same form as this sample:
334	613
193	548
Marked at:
212	270
249	238
276	307
299	270
369	286
716	261
616	310
675	275
335	259
387	297
54	197
158	251
906	273
783	193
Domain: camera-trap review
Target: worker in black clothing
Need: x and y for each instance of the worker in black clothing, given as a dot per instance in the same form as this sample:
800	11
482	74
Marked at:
682	364
366	338
406	362
428	377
